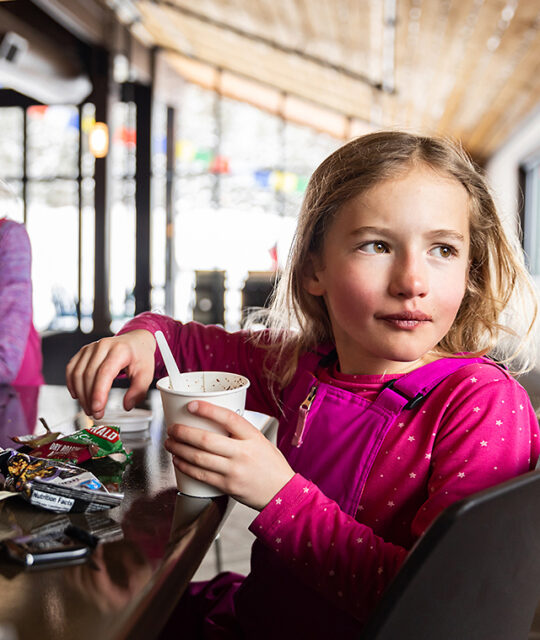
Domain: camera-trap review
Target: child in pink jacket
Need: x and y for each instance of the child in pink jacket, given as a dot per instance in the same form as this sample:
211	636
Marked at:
374	365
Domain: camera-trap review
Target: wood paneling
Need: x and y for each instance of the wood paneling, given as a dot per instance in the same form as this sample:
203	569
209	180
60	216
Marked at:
464	68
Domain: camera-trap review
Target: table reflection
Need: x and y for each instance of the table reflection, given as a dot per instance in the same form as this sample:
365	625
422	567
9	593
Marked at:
119	570
18	412
151	544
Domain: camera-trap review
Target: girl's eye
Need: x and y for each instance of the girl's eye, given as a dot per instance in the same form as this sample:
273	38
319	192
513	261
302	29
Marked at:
374	247
444	251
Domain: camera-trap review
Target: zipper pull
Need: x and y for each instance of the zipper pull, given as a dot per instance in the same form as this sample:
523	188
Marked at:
302	417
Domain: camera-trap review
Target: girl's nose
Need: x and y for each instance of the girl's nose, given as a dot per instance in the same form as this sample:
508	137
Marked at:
409	278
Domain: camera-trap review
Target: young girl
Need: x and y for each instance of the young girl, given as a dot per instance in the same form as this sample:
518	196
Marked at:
397	284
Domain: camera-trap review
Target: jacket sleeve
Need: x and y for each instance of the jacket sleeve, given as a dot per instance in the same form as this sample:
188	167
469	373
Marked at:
198	347
328	549
15	298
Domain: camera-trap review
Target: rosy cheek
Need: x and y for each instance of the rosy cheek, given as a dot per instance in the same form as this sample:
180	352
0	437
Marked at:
452	301
360	296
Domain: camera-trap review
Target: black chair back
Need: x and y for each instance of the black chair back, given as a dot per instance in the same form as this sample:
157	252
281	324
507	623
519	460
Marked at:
473	575
58	347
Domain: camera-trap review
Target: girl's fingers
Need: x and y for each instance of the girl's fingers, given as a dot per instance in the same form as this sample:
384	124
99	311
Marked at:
72	368
77	376
243	464
201	459
140	381
92	368
101	373
234	423
199	438
69	373
91	372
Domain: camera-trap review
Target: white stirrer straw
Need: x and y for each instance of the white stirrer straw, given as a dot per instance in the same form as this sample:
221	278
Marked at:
170	363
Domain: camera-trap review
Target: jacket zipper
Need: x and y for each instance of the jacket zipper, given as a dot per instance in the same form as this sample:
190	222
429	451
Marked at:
302	416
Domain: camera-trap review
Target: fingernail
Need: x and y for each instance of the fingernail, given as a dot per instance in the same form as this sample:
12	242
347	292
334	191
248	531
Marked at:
193	406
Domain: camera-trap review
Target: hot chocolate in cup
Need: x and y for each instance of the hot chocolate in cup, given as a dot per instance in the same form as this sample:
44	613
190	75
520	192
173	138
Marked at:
218	387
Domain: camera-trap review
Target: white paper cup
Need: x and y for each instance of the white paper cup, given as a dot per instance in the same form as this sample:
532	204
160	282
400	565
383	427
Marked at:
218	387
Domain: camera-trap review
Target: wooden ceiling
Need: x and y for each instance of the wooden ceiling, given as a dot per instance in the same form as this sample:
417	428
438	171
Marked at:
465	68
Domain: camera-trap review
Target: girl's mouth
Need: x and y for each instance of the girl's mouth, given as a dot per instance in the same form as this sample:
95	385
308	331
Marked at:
406	320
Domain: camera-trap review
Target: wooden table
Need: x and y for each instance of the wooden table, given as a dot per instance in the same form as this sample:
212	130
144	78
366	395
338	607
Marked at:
129	585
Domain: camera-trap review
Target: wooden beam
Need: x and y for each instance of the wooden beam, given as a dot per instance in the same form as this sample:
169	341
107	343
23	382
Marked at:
272	44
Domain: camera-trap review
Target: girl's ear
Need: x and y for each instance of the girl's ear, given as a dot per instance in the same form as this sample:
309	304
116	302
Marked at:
312	281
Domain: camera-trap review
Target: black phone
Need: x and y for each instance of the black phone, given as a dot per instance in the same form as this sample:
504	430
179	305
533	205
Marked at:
53	548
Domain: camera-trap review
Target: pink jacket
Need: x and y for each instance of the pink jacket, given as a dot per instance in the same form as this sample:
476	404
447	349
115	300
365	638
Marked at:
322	558
20	344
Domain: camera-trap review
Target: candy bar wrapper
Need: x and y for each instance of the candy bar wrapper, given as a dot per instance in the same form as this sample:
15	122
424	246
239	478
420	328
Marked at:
94	442
54	486
34	441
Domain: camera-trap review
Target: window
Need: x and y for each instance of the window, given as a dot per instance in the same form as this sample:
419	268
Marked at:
531	214
241	173
41	158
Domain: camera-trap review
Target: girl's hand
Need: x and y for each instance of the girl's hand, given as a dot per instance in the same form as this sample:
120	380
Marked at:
246	465
91	371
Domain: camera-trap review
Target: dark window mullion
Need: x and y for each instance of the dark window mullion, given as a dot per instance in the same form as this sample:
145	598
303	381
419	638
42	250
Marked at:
79	203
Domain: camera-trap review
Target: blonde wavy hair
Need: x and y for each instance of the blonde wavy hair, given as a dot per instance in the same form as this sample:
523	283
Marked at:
499	308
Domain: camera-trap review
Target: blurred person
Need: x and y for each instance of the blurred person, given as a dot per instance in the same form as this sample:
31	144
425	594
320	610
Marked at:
18	412
20	344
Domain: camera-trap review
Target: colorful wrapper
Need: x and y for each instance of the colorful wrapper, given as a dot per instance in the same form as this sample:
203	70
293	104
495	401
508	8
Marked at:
54	486
91	443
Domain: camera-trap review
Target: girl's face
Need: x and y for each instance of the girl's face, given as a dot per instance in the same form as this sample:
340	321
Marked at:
393	271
